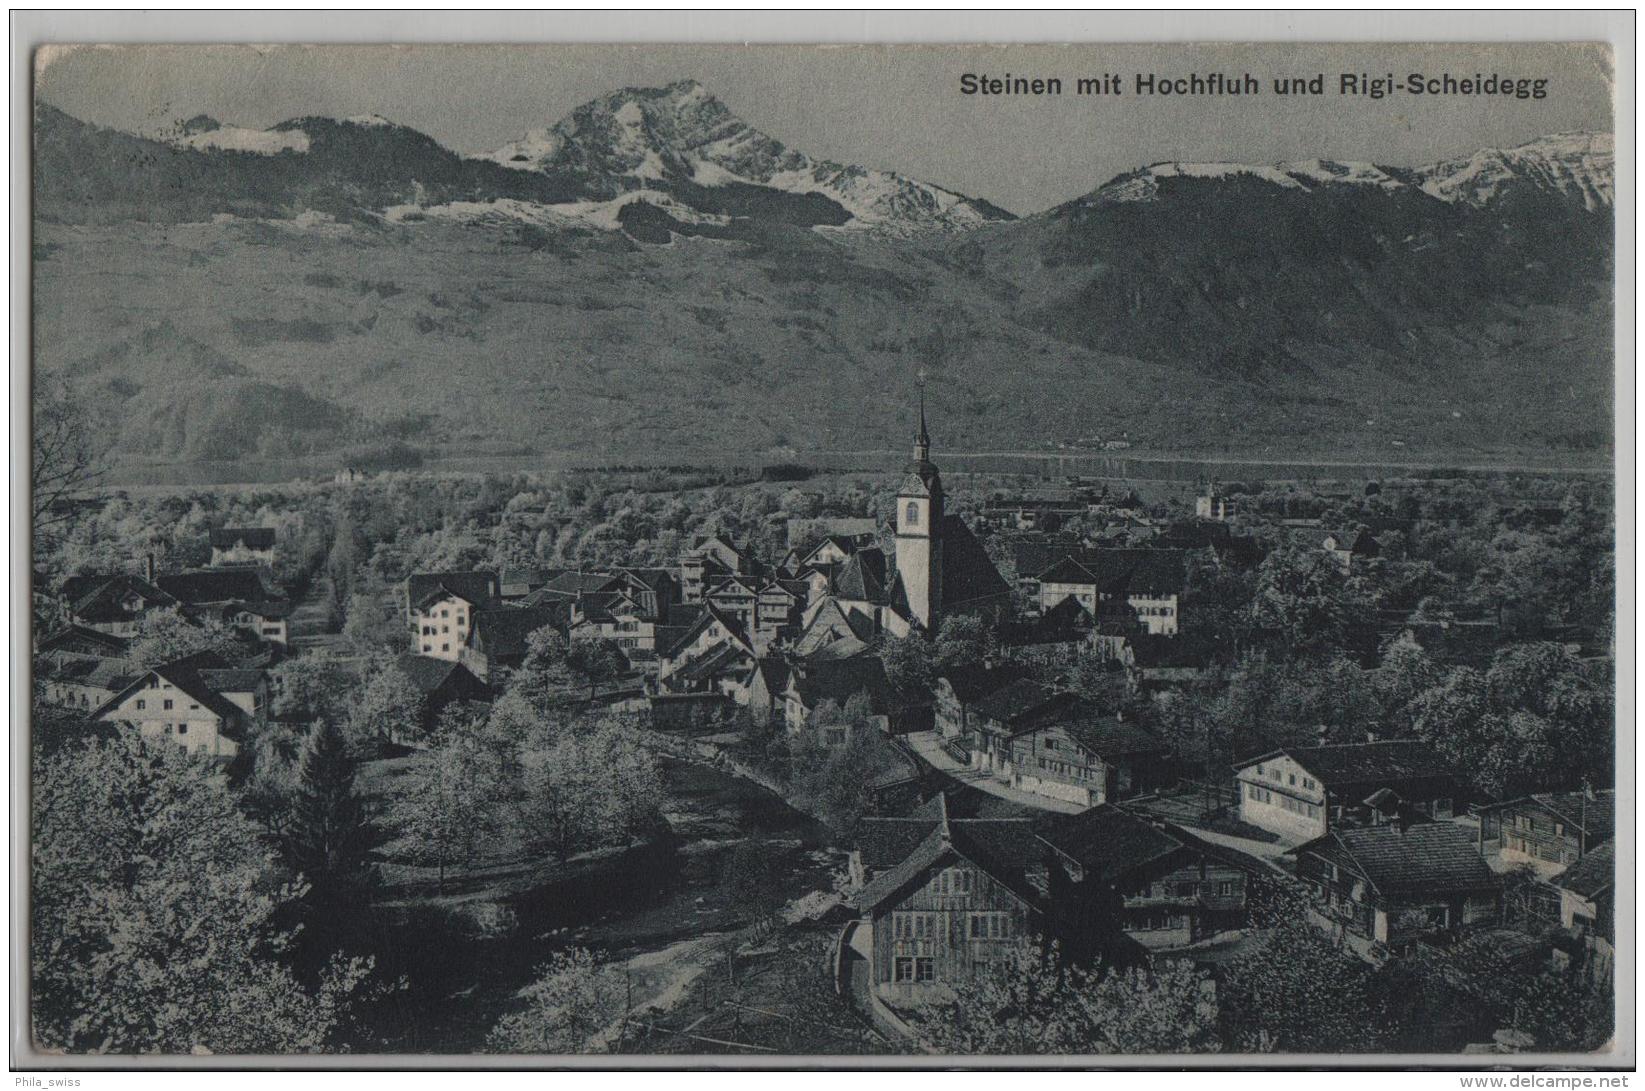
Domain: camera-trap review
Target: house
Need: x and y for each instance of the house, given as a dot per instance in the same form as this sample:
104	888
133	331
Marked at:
959	690
1089	759
516	583
712	649
1548	830
810	684
112	604
242	546
1146	584
834	623
1302	792
1177	889
715	556
197	702
440	607
440	682
616	616
244	599
834	548
81	681
1587	907
1214	505
79	640
1384	887
942	902
497	636
1007	712
763	692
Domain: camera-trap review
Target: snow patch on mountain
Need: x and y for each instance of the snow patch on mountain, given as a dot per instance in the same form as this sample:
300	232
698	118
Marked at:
1578	166
601	215
682	134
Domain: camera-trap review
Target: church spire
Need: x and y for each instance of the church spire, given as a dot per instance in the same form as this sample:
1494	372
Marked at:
922	441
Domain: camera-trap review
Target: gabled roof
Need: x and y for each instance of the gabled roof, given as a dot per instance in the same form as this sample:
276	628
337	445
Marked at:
1596	816
531	578
502	630
861	577
231	679
269	610
428	674
1021	700
1002	848
101	600
109	674
1110	841
250	537
710	613
1594	874
839	680
1425	858
1347	767
832	614
774	671
1109	737
1069	570
187	675
717	660
478	587
582	583
973	682
216	585
71	634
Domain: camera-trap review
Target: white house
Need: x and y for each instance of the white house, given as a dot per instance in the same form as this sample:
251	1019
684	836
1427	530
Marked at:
196	703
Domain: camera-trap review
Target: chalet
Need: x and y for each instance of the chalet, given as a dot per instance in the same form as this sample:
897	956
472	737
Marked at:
715	556
1302	792
114	605
82	681
439	683
1007	713
1177	889
942	902
216	586
266	620
1089	759
833	549
198	703
440	607
1385	887
654	590
616	616
1214	505
837	681
712	649
497	637
1548	830
958	692
735	597
232	546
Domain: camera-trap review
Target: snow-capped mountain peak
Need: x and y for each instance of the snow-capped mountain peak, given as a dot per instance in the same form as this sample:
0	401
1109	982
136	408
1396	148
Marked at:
1575	167
681	134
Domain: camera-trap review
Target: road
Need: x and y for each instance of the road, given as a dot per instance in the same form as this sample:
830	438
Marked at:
928	745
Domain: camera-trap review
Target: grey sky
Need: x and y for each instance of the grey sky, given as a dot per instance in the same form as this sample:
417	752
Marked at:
893	107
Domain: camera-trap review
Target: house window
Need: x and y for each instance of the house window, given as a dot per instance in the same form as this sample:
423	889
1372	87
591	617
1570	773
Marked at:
911	515
1307	782
141	704
165	705
169	728
903	969
1559	829
925	969
428	647
445	647
989	926
1293	778
1225	889
182	729
1050	744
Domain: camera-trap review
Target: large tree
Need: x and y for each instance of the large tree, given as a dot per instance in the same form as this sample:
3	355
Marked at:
1039	1005
328	838
572	1001
153	909
66	452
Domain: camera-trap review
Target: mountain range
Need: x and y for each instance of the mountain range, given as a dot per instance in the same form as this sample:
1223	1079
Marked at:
652	275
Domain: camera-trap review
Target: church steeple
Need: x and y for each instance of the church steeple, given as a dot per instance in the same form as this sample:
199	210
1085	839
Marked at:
922	441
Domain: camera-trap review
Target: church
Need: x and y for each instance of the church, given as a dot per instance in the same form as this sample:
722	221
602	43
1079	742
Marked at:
939	569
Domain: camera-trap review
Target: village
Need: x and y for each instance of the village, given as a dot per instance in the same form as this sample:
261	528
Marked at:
1045	723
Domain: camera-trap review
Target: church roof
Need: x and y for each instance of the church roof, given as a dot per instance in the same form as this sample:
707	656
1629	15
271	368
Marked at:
968	572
